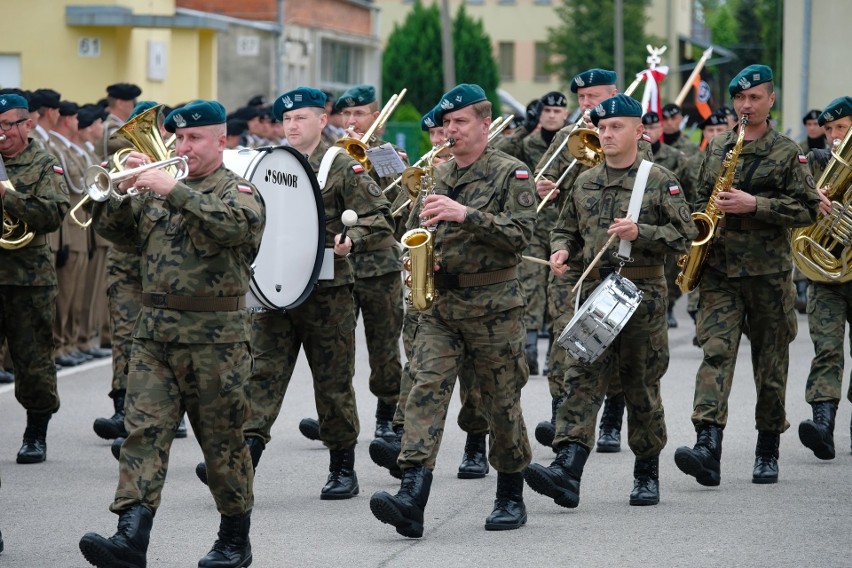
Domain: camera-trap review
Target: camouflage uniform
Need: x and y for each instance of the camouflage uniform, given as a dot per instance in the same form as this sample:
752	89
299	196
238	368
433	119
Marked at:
481	322
680	142
639	355
196	247
378	297
28	284
748	275
325	323
124	293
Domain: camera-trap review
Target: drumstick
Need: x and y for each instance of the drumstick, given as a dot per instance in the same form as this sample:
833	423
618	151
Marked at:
537	260
596	259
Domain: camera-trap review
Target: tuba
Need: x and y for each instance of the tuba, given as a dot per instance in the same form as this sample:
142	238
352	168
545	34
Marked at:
822	251
692	263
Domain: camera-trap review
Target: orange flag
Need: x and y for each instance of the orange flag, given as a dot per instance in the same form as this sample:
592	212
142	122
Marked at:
702	97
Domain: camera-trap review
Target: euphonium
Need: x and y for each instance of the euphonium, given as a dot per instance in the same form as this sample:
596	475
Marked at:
16	233
692	263
822	251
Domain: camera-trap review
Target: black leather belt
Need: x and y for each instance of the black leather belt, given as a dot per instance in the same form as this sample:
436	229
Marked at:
452	281
630	272
38	240
194	304
744	224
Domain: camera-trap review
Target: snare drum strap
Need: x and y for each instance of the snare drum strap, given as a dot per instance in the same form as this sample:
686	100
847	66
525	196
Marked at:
635	204
325	165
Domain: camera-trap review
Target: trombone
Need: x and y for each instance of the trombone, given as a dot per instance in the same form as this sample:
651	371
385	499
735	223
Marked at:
101	183
357	148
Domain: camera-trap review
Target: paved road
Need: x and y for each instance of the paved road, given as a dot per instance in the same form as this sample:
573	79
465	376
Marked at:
803	520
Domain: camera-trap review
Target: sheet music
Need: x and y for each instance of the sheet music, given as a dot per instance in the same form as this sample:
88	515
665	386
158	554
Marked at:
385	160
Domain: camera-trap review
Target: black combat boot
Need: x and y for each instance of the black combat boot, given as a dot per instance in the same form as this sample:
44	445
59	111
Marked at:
112	427
34	448
310	428
385	453
405	509
181	431
560	481
801	303
703	461
545	431
115	447
509	510
671	321
609	433
766	458
255	446
1	542
384	420
232	548
531	352
342	482
646	481
818	434
127	547
474	464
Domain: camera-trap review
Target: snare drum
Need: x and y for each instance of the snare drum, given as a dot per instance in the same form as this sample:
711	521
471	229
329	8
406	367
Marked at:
291	252
600	319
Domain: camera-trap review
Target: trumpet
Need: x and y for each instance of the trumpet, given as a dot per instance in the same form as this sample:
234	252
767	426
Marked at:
101	183
357	148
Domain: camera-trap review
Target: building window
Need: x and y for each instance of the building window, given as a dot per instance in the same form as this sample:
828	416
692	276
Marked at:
542	58
508	2
342	64
506	55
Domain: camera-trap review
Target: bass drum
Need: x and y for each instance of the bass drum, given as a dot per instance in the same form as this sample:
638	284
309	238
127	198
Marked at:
600	319
291	252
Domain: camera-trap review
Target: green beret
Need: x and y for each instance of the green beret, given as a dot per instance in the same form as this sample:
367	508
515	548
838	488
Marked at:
751	76
9	101
300	97
619	105
141	107
196	113
838	108
428	121
593	78
457	98
359	95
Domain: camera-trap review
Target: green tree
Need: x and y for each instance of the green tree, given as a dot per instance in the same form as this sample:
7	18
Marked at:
412	57
585	38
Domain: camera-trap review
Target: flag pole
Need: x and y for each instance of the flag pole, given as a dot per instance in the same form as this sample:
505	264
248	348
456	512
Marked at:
698	67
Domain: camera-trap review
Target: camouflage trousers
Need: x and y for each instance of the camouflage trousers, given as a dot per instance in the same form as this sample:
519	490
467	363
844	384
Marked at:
639	356
672	270
829	310
471	418
208	383
560	305
124	298
496	344
325	326
723	306
533	277
27	314
379	300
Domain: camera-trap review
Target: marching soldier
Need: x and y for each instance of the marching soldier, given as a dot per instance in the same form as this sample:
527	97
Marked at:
32	192
191	343
747	276
828	306
815	135
672	134
121	100
639	356
482	216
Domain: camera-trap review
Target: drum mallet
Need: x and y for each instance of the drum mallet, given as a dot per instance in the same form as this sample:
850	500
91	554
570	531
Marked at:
348	218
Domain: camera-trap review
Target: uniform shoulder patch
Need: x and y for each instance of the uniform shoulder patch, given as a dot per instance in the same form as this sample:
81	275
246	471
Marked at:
357	168
684	213
526	199
58	170
674	189
810	181
522	174
243	188
374	190
803	159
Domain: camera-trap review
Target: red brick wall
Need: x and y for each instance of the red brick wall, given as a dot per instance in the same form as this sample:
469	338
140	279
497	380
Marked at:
336	15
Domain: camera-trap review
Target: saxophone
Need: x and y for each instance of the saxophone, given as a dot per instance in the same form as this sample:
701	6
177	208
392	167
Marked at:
692	263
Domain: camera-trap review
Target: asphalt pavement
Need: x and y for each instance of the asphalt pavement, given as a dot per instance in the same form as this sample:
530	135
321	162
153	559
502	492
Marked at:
804	520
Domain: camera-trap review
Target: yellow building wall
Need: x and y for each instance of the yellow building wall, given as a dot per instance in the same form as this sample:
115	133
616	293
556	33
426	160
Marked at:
48	50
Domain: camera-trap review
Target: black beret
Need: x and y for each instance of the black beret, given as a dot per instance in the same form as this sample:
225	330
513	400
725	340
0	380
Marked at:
196	113
650	118
48	98
554	98
300	97
619	105
245	113
813	114
257	100
593	78
235	126
715	119
670	110
124	91
88	114
68	108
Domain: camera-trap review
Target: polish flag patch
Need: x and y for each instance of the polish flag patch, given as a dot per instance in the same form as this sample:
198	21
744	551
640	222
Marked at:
58	170
522	174
674	190
803	159
357	168
244	188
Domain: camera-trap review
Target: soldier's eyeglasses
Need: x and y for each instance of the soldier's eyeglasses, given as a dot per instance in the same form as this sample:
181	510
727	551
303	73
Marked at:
7	126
